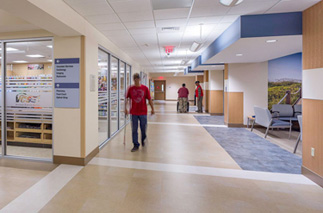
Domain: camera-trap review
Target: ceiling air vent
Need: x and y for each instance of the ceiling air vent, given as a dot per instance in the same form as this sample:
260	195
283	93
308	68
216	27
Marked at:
169	29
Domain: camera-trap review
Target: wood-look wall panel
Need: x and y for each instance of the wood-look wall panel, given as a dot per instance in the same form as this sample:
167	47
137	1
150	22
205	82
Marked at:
226	71
225	105
313	135
235	104
216	101
313	37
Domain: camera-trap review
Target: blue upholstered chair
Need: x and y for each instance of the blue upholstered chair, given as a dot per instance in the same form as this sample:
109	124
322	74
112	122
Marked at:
264	118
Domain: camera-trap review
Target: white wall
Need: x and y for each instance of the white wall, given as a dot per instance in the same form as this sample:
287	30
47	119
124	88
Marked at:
173	83
252	80
216	79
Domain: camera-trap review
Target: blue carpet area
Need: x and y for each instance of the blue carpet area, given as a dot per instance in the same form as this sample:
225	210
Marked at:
217	120
253	152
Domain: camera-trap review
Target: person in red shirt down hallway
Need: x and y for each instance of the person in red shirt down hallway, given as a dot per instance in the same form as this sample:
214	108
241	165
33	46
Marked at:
138	94
199	96
183	98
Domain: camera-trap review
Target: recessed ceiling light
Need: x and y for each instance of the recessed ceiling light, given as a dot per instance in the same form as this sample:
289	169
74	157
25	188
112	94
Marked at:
49	46
231	3
35	56
239	54
196	46
50	60
271	41
20	61
10	49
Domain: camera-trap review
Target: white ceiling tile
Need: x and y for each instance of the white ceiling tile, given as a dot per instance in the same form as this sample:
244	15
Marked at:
214	9
229	18
139	24
171	23
292	6
150	39
109	27
171	13
131	6
143	31
103	19
252	7
205	20
116	33
136	16
90	9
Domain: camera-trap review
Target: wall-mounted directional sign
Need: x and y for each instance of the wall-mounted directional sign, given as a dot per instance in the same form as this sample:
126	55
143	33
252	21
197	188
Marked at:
67	82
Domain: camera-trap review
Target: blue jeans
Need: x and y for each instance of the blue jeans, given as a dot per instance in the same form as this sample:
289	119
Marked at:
134	125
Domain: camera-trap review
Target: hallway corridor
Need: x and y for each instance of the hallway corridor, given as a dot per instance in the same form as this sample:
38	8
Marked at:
181	169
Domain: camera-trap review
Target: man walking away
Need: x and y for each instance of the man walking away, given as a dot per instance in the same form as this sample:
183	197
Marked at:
183	98
138	94
199	96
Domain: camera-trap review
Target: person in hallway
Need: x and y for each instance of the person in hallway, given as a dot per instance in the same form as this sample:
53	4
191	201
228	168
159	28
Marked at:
199	96
138	94
183	98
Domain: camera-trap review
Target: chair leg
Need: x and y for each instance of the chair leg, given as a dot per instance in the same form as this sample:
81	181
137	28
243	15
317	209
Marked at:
290	131
267	132
297	142
253	123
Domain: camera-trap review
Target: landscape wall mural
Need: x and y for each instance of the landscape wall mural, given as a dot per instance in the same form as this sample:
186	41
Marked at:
284	74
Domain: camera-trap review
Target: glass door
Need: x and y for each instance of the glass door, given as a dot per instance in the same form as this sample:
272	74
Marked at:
103	96
122	94
114	70
28	99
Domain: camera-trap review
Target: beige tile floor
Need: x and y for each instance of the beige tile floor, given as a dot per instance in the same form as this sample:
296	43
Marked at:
98	188
17	176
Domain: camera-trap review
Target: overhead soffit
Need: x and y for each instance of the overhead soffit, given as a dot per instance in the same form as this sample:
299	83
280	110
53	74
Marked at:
245	40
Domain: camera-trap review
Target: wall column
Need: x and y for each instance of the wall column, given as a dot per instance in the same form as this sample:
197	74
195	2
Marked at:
312	93
215	103
246	86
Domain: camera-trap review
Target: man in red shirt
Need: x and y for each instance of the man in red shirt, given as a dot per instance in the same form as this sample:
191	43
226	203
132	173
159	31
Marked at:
183	98
199	96
138	94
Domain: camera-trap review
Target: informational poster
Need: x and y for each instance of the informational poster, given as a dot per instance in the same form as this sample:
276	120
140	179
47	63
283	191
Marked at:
67	83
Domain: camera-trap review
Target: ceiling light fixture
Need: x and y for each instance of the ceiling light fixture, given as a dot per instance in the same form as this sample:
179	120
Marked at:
20	61
50	46
231	3
50	60
239	54
196	46
271	41
35	56
10	49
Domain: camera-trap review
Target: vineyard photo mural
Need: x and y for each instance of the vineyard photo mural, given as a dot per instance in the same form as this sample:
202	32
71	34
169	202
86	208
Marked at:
284	74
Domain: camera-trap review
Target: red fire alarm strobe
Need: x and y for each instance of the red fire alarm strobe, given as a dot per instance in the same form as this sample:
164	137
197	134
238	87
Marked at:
169	49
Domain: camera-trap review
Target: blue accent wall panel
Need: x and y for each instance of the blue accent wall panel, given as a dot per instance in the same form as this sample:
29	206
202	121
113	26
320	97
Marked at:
279	24
227	38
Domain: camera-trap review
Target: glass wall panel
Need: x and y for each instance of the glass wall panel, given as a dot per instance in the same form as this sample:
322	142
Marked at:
114	95
103	96
128	79
122	95
0	98
29	99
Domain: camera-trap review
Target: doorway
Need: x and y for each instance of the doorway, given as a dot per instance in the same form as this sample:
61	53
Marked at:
160	90
26	98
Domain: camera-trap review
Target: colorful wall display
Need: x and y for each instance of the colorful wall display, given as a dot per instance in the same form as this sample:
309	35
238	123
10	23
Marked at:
284	74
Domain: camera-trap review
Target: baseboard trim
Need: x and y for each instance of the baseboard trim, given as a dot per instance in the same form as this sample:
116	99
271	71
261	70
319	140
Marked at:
236	125
312	176
75	160
214	114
